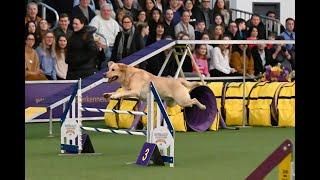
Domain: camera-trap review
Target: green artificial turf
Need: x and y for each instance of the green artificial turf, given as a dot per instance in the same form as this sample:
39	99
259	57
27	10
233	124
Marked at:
222	155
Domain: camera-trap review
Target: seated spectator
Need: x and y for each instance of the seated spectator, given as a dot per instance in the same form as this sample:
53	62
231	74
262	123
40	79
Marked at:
187	65
82	51
253	35
119	16
216	34
219	65
204	12
63	27
262	57
221	8
142	16
201	60
242	29
32	63
130	10
217	20
30	27
32	13
188	6
148	6
107	27
177	8
83	10
281	55
143	32
232	30
162	5
168	24
255	21
185	26
270	26
272	36
47	55
154	20
125	43
61	66
205	36
200	29
236	61
41	30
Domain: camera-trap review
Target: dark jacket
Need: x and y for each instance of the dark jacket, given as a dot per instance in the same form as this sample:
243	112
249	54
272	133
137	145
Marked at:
198	14
134	47
258	67
261	30
81	54
76	11
169	29
58	32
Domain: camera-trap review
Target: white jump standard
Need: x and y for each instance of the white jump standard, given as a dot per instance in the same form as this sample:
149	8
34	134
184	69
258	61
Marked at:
158	137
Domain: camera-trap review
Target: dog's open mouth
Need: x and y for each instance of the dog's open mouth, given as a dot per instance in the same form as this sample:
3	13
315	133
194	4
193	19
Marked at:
113	79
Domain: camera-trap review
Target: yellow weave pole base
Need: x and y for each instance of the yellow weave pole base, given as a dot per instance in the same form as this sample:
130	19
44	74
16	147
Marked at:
32	112
285	168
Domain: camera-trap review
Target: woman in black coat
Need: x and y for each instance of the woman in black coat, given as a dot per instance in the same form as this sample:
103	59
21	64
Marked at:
82	51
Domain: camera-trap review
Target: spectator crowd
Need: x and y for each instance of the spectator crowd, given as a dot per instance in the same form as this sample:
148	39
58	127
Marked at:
88	36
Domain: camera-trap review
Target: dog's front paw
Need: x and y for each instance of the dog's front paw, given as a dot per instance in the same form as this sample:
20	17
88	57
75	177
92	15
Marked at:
107	95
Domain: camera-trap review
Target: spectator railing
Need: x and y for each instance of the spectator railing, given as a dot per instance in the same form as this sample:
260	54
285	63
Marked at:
272	25
44	9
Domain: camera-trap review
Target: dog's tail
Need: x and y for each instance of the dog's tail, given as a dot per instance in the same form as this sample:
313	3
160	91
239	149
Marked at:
189	85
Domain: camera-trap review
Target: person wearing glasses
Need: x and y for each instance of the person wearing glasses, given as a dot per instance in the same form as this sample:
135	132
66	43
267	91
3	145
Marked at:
32	63
47	55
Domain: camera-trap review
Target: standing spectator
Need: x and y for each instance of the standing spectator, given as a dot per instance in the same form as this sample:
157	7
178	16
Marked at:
204	12
255	21
83	10
155	63
61	66
168	24
130	10
32	63
47	55
270	25
236	61
184	26
63	28
219	65
125	43
262	57
281	55
232	30
107	27
201	60
221	8
32	13
253	35
289	33
82	51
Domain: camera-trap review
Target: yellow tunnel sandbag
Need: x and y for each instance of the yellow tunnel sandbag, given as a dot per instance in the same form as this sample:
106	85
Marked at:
173	110
216	88
233	104
125	120
178	122
286	106
260	101
111	118
144	119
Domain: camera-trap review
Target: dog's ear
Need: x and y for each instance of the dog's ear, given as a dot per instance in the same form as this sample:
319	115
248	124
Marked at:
122	67
110	63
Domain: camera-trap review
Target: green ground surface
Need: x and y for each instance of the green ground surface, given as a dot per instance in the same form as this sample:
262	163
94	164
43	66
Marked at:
222	155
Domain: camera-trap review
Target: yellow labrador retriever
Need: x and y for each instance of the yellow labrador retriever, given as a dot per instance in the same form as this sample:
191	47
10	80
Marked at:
136	82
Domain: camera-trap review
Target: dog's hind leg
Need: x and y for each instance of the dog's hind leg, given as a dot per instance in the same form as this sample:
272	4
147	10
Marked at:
191	102
189	85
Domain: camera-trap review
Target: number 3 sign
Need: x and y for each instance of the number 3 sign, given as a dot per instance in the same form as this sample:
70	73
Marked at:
149	152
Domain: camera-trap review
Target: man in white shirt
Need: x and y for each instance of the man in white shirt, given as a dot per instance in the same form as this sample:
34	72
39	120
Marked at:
107	27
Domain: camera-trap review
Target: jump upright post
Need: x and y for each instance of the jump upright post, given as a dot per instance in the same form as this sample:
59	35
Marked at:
161	137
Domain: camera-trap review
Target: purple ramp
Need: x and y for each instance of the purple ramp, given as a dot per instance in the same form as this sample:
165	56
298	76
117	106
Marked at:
199	120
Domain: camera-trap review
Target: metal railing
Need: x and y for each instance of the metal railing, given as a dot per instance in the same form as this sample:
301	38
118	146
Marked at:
44	9
271	25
